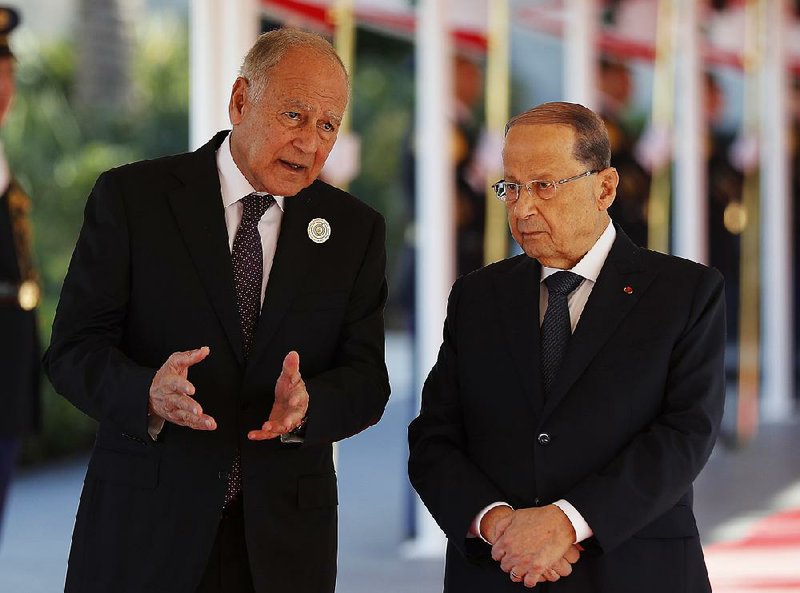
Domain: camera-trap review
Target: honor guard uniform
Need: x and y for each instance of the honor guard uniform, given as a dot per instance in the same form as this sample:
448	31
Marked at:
19	292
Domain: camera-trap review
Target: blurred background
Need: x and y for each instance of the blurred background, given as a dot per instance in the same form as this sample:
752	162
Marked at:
702	102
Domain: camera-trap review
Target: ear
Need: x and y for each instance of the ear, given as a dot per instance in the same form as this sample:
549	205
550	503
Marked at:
608	179
236	105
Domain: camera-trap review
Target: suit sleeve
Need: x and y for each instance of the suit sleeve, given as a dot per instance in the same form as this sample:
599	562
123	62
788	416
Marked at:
352	395
84	361
452	487
658	466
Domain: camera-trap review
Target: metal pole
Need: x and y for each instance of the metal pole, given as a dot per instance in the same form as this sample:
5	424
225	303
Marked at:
435	197
658	206
580	51
498	98
221	32
690	232
777	284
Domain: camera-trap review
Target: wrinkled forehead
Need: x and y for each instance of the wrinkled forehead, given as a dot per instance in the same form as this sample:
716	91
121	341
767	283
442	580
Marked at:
538	148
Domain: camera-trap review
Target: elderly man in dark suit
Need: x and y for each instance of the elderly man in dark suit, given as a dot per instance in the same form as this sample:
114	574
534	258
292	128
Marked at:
20	368
202	285
578	391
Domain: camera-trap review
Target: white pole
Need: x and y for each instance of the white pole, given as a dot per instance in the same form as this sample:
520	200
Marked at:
221	32
690	203
777	274
435	196
580	52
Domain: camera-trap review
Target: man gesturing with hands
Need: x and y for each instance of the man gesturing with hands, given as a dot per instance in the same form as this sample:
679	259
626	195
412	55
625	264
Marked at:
222	320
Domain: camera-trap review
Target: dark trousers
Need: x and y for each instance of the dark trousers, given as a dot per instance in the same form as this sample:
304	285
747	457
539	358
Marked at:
8	459
228	569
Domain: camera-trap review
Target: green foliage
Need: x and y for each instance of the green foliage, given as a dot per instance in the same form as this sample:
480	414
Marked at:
56	151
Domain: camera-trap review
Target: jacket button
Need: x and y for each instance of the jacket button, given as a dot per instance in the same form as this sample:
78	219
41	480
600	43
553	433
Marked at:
536	501
543	439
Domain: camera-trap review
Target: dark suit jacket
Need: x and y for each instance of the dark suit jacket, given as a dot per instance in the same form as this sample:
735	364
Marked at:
631	419
151	275
20	353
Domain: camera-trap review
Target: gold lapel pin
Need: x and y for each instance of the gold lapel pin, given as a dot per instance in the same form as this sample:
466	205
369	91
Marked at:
319	230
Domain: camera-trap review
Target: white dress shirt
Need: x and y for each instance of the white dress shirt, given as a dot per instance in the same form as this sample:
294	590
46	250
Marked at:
589	268
234	186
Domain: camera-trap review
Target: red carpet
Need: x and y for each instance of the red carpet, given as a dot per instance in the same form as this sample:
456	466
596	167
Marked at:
766	560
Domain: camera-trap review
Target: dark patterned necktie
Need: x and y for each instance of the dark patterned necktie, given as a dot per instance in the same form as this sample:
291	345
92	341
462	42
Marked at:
556	327
248	271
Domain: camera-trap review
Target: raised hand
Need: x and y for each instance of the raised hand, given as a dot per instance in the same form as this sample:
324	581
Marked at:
171	391
291	402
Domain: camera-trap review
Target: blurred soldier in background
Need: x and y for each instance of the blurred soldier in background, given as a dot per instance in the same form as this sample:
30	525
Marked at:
19	292
726	218
630	207
468	148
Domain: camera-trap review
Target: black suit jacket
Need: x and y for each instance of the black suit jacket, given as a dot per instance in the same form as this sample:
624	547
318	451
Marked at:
151	275
20	352
631	419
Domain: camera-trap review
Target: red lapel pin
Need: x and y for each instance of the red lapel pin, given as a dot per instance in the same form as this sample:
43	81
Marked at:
628	290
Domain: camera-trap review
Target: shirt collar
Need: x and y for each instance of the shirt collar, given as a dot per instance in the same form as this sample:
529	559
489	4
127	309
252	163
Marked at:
232	182
590	264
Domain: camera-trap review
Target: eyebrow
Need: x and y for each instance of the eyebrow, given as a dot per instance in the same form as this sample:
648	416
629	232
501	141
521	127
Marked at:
306	107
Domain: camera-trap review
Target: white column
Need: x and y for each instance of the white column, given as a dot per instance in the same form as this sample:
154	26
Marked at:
221	32
435	196
777	272
580	52
690	226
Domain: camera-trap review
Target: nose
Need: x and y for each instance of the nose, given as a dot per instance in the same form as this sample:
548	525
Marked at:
306	139
525	206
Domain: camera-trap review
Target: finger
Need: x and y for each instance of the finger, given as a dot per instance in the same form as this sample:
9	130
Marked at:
562	567
532	579
515	576
194	421
287	423
262	435
184	402
551	575
572	555
291	367
183	360
175	384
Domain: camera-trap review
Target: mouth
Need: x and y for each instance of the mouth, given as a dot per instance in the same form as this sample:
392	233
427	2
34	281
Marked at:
291	166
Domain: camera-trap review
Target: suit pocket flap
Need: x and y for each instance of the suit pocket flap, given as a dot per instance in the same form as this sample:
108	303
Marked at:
317	491
123	468
676	522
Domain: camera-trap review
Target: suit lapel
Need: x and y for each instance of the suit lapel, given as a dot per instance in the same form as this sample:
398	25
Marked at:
621	283
293	256
518	295
198	210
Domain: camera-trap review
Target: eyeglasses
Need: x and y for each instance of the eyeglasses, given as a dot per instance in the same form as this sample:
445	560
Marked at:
508	191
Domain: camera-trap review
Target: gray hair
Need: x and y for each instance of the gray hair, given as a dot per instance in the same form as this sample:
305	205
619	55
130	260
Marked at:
272	46
592	147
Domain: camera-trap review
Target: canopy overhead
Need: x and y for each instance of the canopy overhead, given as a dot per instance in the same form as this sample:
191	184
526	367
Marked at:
627	33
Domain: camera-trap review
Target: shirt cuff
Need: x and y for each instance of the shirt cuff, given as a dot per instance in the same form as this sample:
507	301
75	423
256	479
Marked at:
155	424
579	524
475	527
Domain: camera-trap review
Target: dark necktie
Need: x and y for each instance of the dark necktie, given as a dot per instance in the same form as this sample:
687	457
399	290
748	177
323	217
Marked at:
556	328
247	258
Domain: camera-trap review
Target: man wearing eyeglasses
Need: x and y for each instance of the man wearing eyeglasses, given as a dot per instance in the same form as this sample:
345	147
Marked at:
578	390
